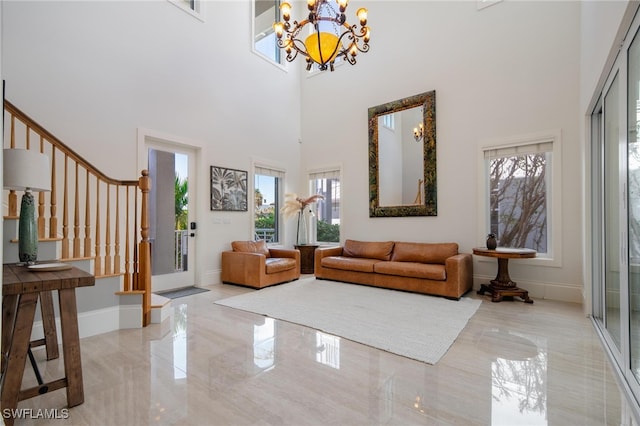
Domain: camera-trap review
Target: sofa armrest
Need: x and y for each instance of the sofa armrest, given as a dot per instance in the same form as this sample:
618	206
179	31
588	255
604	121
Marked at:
328	251
322	252
242	267
460	271
290	253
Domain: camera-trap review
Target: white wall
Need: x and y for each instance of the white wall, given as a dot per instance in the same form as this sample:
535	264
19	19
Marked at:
600	21
94	72
510	69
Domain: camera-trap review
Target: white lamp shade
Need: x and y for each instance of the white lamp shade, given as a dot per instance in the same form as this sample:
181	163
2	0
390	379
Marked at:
26	169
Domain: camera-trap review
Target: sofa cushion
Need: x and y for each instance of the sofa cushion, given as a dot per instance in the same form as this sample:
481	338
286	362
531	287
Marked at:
279	264
259	246
368	249
423	252
429	271
349	263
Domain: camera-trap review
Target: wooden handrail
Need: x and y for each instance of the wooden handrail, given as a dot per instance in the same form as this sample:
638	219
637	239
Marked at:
16	113
101	197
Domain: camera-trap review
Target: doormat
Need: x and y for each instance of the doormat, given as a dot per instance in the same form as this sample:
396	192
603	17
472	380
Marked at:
181	292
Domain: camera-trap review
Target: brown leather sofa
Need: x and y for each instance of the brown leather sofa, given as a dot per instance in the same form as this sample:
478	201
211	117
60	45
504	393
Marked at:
253	264
430	268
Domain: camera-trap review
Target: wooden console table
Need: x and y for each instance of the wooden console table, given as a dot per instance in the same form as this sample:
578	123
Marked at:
21	289
502	285
307	258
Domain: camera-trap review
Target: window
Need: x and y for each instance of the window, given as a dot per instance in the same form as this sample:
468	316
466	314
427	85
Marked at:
265	13
521	186
267	196
388	121
327	223
194	8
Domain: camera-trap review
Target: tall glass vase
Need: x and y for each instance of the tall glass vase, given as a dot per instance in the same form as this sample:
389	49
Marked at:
302	236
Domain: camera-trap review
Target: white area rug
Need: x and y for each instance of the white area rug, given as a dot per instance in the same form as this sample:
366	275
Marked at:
411	325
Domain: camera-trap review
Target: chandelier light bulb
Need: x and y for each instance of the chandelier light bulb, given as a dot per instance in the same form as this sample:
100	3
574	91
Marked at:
285	8
278	28
362	16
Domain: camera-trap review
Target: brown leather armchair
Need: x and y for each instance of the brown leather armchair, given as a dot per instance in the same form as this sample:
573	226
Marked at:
253	264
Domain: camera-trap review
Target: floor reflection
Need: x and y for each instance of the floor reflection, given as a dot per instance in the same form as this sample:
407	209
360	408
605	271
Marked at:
519	382
328	350
264	344
180	342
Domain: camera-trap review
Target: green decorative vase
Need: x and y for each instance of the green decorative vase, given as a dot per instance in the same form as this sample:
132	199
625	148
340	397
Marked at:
27	230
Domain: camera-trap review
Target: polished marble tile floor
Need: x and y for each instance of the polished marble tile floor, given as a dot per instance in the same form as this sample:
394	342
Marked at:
513	364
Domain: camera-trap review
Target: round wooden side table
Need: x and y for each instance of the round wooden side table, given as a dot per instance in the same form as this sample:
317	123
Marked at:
502	285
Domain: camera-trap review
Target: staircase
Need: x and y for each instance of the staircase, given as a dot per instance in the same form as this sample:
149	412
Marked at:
100	218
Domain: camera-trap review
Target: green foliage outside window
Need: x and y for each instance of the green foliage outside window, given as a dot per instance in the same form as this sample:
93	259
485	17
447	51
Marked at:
265	220
328	232
182	214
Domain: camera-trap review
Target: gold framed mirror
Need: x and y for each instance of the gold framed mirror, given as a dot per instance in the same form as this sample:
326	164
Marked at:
402	157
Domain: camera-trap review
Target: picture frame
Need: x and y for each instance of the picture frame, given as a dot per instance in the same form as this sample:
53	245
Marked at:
228	189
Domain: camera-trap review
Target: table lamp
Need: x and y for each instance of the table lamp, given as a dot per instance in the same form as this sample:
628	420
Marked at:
26	170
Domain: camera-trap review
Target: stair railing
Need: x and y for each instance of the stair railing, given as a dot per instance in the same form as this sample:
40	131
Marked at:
105	211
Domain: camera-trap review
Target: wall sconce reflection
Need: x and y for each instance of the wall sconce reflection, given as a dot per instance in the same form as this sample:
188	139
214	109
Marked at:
418	132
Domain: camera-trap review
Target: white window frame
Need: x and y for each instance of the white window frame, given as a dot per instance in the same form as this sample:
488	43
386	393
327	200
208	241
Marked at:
282	64
197	13
554	218
320	174
389	121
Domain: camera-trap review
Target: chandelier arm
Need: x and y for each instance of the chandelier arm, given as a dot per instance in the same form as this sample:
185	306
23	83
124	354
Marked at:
354	40
345	56
297	26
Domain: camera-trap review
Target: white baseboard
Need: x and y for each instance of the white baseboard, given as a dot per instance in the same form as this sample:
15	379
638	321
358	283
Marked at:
96	322
130	316
211	277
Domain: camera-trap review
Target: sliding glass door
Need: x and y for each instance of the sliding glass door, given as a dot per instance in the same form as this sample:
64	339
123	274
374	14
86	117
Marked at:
633	158
615	211
612	207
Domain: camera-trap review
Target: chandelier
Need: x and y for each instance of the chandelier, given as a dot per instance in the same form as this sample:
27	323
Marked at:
323	47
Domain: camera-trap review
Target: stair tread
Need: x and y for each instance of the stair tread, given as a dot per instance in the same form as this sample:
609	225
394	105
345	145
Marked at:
158	301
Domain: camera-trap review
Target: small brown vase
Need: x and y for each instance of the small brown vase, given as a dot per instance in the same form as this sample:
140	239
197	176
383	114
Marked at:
491	242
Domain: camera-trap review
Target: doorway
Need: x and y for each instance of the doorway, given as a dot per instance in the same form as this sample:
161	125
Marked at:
172	213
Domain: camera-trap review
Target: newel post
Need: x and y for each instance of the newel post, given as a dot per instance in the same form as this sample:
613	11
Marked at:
144	249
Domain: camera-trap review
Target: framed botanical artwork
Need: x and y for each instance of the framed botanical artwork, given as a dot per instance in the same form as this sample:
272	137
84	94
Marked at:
228	189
